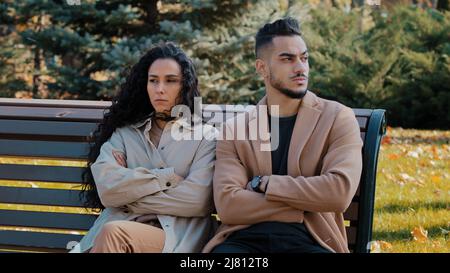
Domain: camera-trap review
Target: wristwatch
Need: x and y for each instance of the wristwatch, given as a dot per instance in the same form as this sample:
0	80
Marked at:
256	181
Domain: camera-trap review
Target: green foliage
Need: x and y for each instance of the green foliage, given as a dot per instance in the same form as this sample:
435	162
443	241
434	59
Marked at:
363	57
400	62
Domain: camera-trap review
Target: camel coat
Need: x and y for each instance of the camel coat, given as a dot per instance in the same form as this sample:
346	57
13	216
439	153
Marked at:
324	169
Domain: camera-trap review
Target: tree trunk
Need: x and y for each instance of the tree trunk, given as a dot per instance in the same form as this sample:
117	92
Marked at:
151	10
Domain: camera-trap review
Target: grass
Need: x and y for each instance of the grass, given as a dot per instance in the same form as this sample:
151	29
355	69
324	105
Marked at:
412	194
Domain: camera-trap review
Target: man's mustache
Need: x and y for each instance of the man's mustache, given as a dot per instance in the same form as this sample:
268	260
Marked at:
299	75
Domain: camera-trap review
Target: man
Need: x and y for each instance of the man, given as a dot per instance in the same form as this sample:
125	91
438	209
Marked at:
290	199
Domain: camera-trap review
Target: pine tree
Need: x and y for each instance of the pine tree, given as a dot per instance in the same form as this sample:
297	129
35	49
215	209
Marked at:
12	76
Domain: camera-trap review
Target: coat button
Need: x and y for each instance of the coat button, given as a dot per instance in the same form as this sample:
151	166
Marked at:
161	168
168	184
126	211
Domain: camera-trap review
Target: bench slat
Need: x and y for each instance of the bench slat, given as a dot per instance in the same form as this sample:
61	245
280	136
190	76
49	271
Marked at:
42	113
351	234
46	219
363	136
49	149
362	121
37	239
46	128
362	112
54	103
35	196
352	212
41	173
96	114
28	249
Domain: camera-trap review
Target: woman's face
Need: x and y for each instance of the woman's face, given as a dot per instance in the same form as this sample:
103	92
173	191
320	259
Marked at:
164	84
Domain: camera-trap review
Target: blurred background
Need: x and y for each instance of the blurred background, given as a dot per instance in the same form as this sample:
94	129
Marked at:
366	54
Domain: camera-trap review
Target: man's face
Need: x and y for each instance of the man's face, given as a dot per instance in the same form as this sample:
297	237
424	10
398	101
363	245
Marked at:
287	67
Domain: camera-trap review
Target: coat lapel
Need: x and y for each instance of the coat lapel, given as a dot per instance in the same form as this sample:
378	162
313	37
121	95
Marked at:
263	155
307	117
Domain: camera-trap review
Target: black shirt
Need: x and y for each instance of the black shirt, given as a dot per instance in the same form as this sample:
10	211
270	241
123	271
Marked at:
280	155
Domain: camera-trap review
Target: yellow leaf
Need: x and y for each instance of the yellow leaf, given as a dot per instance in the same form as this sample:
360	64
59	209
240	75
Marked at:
435	178
393	156
419	234
385	245
379	246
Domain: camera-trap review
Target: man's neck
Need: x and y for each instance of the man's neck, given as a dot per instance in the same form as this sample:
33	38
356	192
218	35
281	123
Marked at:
287	106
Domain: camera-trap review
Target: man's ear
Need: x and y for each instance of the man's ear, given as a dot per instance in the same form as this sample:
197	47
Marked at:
261	68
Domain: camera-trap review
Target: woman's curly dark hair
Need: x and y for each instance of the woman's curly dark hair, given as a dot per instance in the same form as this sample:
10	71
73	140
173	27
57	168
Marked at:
132	104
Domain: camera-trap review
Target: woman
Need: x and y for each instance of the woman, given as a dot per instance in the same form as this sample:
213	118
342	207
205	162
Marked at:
156	191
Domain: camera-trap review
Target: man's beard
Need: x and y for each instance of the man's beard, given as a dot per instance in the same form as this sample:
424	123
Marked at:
278	85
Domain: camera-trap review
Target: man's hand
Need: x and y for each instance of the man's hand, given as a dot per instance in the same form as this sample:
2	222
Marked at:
121	158
249	186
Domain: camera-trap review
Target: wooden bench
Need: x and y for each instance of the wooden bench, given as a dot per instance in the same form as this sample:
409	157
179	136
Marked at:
59	130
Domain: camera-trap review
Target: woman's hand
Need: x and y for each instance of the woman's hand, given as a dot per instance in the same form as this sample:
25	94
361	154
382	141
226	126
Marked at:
178	178
121	158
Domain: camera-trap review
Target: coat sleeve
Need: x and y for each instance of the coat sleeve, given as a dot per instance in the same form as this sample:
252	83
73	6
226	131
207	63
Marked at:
237	206
118	186
193	195
334	188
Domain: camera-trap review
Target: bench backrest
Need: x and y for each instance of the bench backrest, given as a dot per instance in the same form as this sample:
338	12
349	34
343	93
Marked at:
31	218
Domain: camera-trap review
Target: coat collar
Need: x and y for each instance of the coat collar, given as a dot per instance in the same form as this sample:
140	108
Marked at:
147	122
307	117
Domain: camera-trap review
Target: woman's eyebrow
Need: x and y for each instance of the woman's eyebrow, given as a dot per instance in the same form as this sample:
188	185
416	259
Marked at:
167	75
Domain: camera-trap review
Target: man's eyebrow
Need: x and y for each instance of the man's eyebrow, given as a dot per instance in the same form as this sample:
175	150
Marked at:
287	54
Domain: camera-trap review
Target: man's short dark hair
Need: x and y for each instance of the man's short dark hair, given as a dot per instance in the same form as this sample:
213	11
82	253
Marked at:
282	27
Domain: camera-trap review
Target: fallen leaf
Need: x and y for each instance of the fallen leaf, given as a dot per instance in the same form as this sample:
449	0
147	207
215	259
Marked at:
379	246
419	234
393	156
386	140
385	245
436	179
423	163
435	151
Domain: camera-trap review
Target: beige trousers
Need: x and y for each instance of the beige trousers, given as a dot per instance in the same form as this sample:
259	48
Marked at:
129	237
